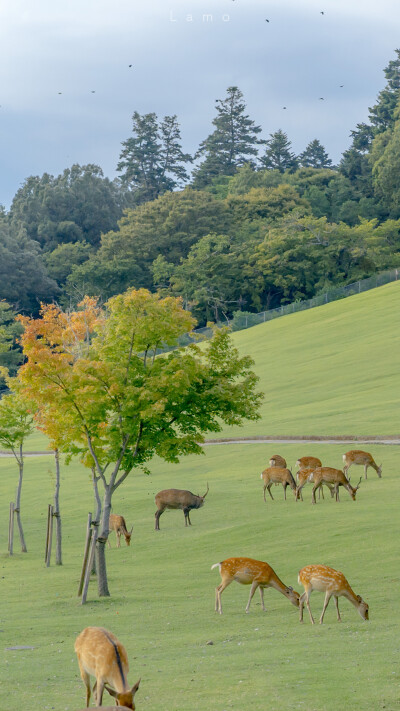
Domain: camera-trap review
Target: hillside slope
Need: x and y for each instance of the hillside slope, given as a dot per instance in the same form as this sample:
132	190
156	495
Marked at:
330	370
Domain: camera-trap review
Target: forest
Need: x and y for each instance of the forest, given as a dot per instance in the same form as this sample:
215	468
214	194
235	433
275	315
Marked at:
242	225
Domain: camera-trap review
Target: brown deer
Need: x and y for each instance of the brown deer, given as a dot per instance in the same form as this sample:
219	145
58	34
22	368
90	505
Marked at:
328	475
357	456
101	655
278	475
107	708
117	524
177	499
256	573
277	461
331	582
307	475
307	463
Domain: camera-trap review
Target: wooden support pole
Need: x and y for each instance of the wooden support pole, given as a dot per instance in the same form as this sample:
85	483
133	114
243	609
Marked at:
86	553
11	529
89	565
49	536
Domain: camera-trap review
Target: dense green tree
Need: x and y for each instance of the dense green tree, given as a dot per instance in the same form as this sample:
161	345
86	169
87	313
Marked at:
268	203
278	154
314	156
10	351
385	159
152	161
62	260
167	226
79	204
233	142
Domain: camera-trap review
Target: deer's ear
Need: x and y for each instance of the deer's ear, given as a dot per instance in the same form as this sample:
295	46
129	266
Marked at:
111	691
135	687
290	588
359	598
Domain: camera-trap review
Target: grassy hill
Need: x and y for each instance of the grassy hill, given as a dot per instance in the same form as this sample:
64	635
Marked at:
330	370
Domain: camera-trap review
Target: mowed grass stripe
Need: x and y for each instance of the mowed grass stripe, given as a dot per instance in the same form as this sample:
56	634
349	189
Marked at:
162	604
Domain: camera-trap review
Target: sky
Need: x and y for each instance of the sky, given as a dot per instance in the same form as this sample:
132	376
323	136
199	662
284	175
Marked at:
67	92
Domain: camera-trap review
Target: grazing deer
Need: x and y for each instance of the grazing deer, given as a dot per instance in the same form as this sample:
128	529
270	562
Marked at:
305	475
328	475
100	654
277	461
307	463
108	708
278	475
177	499
331	582
357	456
117	524
256	573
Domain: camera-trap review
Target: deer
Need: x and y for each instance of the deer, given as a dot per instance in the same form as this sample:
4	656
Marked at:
305	475
101	655
307	463
357	456
329	475
256	573
277	461
331	582
117	524
278	475
177	499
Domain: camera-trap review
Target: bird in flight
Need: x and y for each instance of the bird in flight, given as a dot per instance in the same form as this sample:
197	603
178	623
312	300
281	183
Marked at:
341	86
322	12
321	98
130	65
266	20
92	92
60	92
284	107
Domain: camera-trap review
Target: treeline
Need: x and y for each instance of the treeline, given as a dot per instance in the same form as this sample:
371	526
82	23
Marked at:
244	224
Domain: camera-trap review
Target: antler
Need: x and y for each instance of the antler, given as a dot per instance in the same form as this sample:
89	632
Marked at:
206	492
359	483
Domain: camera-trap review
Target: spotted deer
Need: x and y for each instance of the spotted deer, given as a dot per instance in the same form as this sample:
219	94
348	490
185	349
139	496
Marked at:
357	456
117	524
329	475
332	583
307	463
177	499
101	655
278	475
256	573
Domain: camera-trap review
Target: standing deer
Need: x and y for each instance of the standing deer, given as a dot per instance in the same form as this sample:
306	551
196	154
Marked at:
101	655
278	475
117	524
256	573
277	461
305	475
357	456
177	499
307	463
328	475
331	582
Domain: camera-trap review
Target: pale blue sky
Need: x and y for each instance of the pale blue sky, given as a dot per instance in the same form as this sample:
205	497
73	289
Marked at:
185	53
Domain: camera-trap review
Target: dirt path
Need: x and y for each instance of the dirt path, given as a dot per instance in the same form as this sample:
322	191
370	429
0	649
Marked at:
311	439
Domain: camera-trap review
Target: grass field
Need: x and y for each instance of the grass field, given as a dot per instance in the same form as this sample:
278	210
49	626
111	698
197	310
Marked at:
162	604
331	370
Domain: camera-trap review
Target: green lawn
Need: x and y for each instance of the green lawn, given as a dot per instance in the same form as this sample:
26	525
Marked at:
162	604
330	370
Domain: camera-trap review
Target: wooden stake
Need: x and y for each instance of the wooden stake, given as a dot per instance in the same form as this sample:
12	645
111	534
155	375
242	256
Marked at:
89	565
86	553
49	536
11	529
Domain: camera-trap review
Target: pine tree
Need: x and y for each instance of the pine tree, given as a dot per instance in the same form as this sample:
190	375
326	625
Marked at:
233	142
315	156
278	155
152	162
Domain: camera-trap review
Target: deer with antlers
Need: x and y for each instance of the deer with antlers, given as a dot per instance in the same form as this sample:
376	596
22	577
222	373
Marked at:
329	475
101	655
117	524
177	499
332	583
256	573
357	456
278	475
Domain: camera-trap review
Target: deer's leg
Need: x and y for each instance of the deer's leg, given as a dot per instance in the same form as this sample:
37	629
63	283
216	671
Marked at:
219	590
187	517
100	690
253	588
157	517
315	487
336	599
269	491
118	534
307	597
337	492
108	540
365	470
264	493
261	589
284	490
326	602
86	680
321	493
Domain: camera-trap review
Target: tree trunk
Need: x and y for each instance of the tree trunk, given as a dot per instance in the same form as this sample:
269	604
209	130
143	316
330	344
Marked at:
102	581
57	510
18	501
